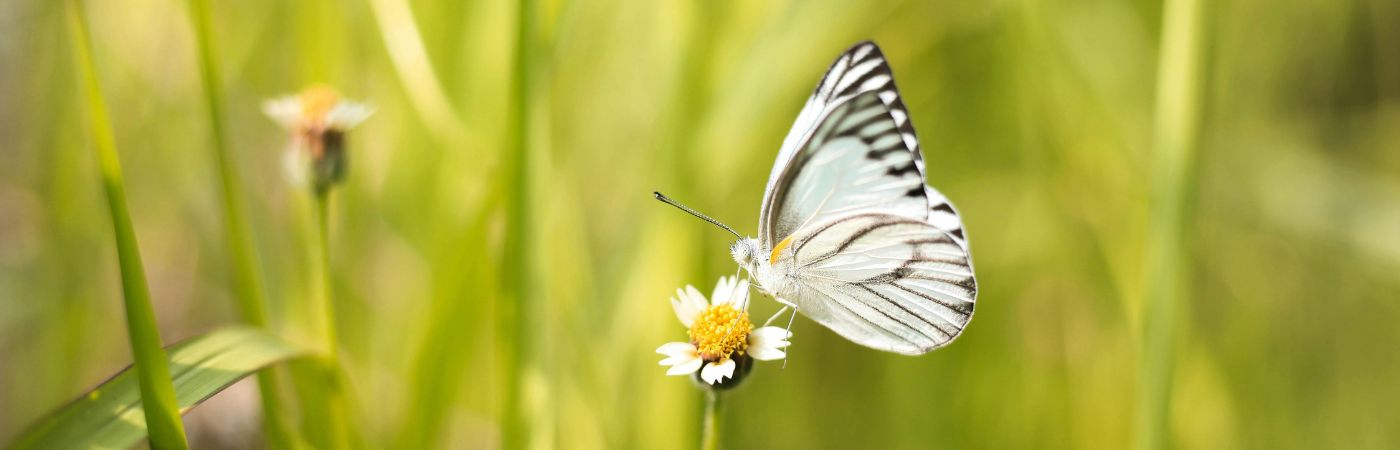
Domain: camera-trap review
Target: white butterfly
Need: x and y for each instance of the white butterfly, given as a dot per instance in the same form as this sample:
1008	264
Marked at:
849	233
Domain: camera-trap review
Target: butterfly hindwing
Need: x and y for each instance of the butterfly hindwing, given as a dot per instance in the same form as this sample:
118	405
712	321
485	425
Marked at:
884	281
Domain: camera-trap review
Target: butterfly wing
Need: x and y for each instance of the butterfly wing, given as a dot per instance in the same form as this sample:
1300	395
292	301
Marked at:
861	70
871	251
854	163
883	281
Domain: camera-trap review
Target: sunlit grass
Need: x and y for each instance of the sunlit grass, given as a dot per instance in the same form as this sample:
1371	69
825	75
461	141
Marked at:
248	279
519	314
111	416
1166	280
152	373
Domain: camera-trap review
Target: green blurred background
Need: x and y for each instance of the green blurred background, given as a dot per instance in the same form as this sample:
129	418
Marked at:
1036	116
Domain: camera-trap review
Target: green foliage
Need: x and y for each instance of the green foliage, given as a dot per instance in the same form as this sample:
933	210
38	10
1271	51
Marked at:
247	277
1177	112
167	432
111	416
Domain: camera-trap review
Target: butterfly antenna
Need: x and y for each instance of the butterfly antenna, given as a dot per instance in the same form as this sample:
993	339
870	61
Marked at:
668	201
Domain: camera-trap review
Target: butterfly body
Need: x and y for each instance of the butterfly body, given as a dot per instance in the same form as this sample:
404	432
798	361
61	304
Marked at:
771	274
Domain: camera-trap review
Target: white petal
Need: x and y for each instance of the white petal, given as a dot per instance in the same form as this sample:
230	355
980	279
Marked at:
676	349
740	297
286	111
766	353
682	357
296	163
724	292
685	310
713	373
695	298
686	368
770	336
765	344
346	115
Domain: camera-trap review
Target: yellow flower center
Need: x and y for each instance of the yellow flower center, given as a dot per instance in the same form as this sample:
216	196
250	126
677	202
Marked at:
721	331
316	101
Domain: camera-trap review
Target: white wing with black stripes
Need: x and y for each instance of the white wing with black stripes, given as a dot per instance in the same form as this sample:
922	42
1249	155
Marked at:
883	281
854	162
859	70
858	240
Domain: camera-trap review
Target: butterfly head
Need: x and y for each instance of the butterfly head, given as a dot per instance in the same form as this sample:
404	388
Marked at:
745	252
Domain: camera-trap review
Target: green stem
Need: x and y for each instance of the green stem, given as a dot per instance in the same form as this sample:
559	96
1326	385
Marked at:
325	303
1166	281
153	373
247	278
515	336
710	427
329	415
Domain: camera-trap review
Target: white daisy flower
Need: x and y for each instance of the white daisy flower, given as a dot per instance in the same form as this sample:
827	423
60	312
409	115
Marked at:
722	339
318	119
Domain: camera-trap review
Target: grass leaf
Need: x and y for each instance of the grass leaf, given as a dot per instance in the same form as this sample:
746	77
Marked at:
111	416
247	277
167	432
1165	255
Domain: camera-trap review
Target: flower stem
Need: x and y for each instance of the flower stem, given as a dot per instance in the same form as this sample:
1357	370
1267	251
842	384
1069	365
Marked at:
710	427
247	278
325	304
163	423
330	419
1174	141
320	382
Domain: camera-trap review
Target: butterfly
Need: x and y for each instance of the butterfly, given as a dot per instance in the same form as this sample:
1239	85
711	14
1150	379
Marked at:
850	234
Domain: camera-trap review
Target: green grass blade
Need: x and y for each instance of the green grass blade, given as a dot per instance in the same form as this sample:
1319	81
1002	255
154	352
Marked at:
167	432
415	70
111	416
1174	140
252	299
515	338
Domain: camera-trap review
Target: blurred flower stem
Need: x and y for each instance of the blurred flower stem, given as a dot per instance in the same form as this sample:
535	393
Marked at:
252	298
329	415
323	304
153	374
1166	283
515	337
710	427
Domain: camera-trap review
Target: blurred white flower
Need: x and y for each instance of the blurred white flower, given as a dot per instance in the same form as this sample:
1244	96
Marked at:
317	119
723	341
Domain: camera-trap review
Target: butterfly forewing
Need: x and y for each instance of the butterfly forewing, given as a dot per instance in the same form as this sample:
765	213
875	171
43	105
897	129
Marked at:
859	70
854	163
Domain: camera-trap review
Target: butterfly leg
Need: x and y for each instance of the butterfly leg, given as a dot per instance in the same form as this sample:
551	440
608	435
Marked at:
776	315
